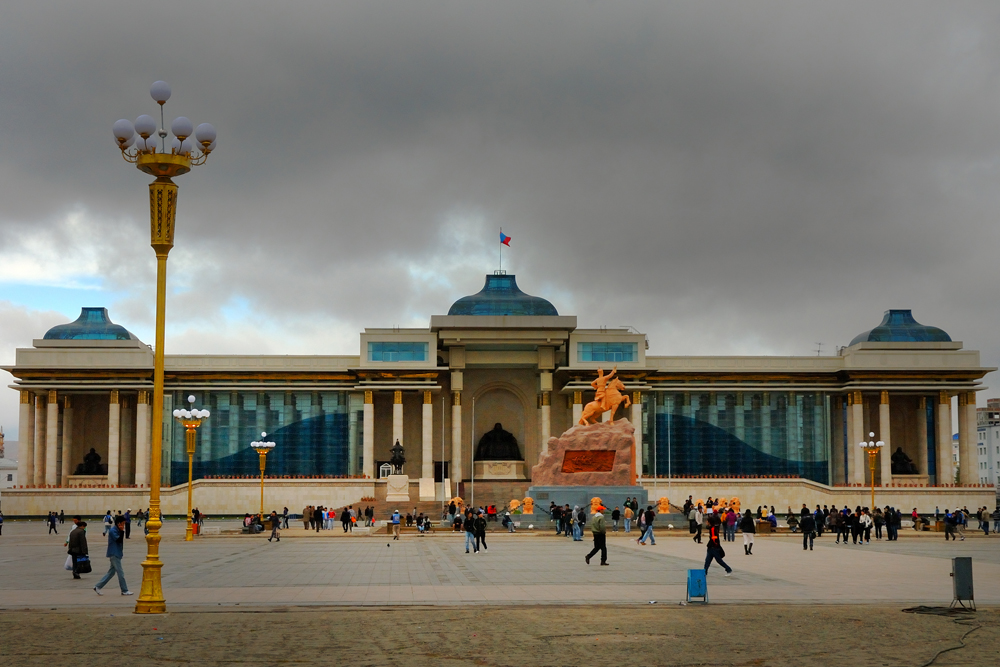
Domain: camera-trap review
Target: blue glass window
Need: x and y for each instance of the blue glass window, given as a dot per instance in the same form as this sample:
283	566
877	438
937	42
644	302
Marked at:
386	351
607	351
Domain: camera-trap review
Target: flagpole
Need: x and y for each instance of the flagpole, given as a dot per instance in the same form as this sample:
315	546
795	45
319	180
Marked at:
501	250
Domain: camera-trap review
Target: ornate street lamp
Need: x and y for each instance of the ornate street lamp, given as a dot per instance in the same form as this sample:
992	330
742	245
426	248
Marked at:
262	447
164	165
191	419
873	449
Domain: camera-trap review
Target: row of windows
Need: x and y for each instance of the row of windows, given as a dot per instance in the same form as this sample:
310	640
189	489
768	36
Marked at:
612	352
388	351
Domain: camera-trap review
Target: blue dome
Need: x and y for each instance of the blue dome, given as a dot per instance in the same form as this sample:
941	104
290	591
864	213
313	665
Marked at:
898	326
501	296
93	324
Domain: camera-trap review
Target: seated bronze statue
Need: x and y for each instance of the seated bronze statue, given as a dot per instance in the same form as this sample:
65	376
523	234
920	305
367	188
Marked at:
498	445
902	464
91	465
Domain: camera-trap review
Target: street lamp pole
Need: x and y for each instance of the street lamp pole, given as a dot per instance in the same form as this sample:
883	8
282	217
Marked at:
872	448
262	447
142	152
191	419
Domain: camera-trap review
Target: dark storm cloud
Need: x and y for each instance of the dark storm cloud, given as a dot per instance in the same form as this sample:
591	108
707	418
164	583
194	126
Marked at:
749	177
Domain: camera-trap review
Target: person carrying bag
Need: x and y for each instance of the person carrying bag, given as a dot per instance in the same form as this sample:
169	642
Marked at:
78	560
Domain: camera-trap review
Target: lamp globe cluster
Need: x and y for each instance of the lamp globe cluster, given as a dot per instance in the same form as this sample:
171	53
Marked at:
192	413
140	138
262	443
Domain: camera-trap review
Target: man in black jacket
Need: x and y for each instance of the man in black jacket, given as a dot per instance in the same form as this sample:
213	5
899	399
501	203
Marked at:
78	546
808	526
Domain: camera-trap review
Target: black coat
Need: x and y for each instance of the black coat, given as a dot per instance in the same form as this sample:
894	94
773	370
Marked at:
78	542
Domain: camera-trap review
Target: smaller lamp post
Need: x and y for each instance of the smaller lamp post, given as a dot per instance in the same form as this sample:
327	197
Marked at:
191	419
873	448
262	447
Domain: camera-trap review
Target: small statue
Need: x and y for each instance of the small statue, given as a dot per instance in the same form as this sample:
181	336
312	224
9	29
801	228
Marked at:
529	505
607	396
664	506
91	464
397	460
902	464
498	445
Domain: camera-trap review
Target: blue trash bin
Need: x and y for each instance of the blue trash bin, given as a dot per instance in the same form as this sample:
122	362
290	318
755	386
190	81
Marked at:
697	586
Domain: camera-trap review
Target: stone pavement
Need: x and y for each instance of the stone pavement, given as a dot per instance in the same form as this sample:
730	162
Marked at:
538	569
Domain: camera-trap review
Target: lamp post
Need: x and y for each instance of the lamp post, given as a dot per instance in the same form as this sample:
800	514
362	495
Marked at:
164	165
191	419
262	447
873	449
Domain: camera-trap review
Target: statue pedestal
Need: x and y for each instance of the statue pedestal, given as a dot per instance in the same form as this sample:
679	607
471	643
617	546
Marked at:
86	480
919	480
427	490
500	470
397	488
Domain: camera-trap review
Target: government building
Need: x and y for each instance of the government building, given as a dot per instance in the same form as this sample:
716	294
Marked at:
500	367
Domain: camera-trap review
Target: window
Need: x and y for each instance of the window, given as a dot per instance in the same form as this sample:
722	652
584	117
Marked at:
10	477
607	352
397	351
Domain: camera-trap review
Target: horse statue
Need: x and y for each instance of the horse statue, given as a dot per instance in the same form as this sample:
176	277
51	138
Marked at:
607	396
397	459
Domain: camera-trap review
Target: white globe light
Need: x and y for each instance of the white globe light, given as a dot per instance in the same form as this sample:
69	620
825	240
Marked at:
127	143
145	126
177	413
182	128
204	133
263	434
186	147
209	148
175	144
160	91
148	144
191	398
871	434
123	129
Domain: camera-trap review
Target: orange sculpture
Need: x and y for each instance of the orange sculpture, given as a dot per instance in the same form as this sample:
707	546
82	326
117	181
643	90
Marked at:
529	505
513	505
607	396
595	504
664	506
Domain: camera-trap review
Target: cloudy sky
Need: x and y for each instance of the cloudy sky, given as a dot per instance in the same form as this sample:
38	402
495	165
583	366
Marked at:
747	177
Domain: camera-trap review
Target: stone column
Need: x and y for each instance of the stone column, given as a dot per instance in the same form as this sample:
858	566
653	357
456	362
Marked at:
114	439
637	425
51	439
546	421
883	432
456	438
234	423
368	437
922	435
142	417
26	434
397	418
713	409
38	470
67	442
427	449
857	455
765	422
577	407
127	474
968	459
837	472
739	424
945	466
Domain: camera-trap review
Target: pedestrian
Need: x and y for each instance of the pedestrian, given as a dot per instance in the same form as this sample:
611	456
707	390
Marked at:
695	519
648	517
616	516
275	526
508	522
1	523
480	526
949	525
749	527
470	531
960	521
995	515
62	516
984	518
128	523
714	550
284	518
307	516
579	521
318	516
628	514
879	520
53	519
77	548
345	519
808	527
116	551
555	511
731	518
567	519
598	529
395	524
108	522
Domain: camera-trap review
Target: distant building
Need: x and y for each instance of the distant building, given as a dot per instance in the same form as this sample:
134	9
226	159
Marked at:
988	443
8	468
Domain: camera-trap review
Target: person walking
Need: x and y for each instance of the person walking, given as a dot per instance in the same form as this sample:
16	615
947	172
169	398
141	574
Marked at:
808	527
714	550
598	529
284	518
995	515
628	514
695	518
470	534
345	519
480	527
115	553
53	520
318	518
78	547
275	526
580	520
307	515
395	524
128	523
616	516
1	523
949	525
108	522
749	527
648	517
984	517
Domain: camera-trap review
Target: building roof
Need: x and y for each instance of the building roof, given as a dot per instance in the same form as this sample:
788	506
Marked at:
898	326
93	324
501	296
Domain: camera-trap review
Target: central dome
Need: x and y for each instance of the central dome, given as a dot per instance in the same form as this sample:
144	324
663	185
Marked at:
501	296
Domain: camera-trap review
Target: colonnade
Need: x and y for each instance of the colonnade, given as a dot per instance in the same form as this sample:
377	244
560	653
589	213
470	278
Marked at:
49	453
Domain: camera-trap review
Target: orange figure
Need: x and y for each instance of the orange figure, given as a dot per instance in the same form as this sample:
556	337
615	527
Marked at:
607	396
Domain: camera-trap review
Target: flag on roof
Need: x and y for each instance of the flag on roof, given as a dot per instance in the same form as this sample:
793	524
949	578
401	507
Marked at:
504	239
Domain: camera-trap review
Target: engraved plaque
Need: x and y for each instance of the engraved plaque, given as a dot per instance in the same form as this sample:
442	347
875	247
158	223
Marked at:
588	460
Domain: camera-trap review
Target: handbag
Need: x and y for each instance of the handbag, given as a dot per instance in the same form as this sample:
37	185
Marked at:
83	565
69	562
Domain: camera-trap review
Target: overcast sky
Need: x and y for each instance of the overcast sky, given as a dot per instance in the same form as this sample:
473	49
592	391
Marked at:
730	178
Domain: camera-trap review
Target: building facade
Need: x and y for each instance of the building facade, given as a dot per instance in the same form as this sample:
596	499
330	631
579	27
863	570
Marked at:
988	444
499	357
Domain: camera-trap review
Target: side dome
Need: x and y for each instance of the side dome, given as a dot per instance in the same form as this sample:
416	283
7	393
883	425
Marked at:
501	296
898	326
93	324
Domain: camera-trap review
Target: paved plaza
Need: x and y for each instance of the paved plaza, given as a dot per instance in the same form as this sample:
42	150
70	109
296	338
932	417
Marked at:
535	569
